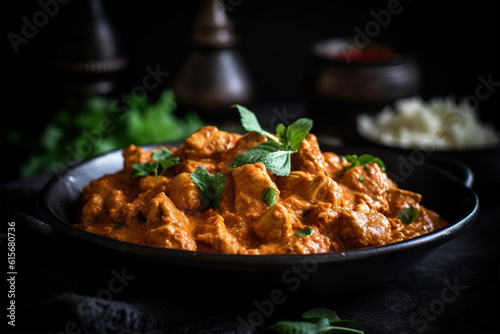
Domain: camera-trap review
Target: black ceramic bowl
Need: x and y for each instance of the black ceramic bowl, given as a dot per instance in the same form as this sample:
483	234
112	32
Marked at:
322	274
343	79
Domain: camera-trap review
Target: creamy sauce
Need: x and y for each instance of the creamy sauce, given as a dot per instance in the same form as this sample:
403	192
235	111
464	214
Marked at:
346	208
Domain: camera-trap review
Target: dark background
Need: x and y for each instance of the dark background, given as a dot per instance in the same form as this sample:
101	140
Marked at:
455	42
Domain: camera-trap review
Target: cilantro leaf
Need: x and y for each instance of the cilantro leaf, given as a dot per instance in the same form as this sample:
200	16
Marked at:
162	157
133	119
142	170
305	232
210	186
408	215
165	158
269	196
161	154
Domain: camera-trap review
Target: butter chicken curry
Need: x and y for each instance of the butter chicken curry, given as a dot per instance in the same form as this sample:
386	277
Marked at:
193	197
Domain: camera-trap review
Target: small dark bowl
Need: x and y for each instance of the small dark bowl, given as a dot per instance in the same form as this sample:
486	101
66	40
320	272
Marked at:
321	274
343	79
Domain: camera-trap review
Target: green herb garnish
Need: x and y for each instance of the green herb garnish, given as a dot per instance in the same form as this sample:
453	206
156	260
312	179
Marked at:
305	232
210	185
269	196
162	157
362	161
319	321
408	215
360	179
118	225
105	123
142	170
276	153
250	123
270	154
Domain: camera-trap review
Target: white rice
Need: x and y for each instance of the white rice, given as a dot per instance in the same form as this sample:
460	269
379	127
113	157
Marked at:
439	123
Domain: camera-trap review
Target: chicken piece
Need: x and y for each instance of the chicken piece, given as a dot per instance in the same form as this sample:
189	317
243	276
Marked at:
149	182
249	183
426	220
311	188
167	226
367	185
274	224
131	212
309	157
114	200
312	244
183	192
213	236
358	229
333	164
326	220
160	210
206	142
134	154
243	144
170	236
399	199
108	183
189	166
91	211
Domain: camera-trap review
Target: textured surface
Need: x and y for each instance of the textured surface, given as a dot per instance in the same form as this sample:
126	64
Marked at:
62	288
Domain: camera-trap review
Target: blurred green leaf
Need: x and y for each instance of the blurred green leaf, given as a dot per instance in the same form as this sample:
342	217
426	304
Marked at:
100	124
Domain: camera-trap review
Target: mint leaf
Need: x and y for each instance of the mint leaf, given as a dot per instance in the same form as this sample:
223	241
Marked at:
319	326
281	132
408	215
270	154
305	233
269	196
297	131
298	327
319	321
250	123
275	154
321	312
210	186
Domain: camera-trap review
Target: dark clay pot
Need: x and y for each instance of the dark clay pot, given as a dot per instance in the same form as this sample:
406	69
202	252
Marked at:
342	81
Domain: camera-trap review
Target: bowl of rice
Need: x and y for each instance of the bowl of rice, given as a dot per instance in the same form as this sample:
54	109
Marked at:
439	127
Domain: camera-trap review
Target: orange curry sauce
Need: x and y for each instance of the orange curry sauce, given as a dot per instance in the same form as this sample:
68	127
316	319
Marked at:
347	208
